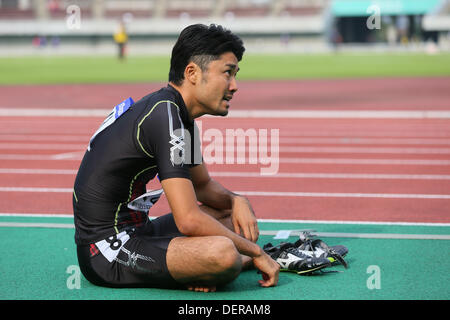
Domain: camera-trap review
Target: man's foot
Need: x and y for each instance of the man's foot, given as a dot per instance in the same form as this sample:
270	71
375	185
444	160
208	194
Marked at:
201	289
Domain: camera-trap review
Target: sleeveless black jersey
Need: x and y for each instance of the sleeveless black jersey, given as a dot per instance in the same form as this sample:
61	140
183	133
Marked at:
154	136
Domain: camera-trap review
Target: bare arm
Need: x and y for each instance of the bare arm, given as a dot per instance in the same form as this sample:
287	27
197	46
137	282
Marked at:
192	221
213	194
209	191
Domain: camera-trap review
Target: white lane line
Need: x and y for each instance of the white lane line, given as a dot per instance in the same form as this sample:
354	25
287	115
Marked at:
43	137
340	114
42	146
321	114
285	221
11	156
265	193
78	155
299	175
345	222
37	171
420	162
351	139
366	235
36	190
424	162
262	232
284	139
32	112
342	195
358	150
287	175
418	136
362	161
37	215
420	133
286	149
246	149
370	150
37	225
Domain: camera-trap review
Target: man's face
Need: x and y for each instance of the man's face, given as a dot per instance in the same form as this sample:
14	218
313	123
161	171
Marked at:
218	84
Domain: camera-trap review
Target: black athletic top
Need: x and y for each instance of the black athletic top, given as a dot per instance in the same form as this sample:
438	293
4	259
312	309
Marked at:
154	136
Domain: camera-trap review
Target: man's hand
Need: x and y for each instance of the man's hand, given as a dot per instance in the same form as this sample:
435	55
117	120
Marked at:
269	268
243	218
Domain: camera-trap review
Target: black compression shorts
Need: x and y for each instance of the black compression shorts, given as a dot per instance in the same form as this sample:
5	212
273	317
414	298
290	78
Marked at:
139	262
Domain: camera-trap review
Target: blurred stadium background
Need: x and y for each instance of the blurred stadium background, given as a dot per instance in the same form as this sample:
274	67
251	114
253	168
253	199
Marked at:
29	27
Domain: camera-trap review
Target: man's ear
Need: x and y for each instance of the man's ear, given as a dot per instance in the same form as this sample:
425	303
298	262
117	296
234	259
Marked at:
192	72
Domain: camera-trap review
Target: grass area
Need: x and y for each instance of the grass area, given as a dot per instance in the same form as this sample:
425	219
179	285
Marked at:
345	66
63	70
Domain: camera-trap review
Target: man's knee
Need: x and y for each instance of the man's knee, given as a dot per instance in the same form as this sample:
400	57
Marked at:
212	260
226	257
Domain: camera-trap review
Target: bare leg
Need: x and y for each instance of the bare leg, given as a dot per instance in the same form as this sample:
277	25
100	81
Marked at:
206	262
202	263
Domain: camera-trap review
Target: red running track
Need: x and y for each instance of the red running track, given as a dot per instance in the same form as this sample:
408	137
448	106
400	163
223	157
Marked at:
45	143
331	94
330	169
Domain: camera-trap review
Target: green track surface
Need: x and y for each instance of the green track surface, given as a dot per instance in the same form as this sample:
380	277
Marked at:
36	265
107	69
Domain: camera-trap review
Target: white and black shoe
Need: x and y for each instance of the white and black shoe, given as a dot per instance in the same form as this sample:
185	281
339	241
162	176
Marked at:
145	201
309	246
293	260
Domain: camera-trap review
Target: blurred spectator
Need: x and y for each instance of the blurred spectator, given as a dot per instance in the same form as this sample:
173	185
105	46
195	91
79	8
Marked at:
391	35
390	29
285	38
36	42
336	38
42	41
55	41
121	38
402	28
53	5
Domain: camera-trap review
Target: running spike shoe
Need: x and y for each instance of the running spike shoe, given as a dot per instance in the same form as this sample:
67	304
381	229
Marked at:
307	245
145	201
293	260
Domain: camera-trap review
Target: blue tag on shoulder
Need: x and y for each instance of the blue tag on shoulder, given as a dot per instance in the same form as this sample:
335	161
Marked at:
118	110
122	107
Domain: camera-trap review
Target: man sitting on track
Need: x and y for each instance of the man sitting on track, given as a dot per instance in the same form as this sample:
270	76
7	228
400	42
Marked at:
198	247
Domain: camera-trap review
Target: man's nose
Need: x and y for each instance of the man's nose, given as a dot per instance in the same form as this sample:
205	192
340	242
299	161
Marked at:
233	85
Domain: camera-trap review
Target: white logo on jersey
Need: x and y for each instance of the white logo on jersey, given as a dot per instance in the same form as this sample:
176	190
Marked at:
111	245
177	141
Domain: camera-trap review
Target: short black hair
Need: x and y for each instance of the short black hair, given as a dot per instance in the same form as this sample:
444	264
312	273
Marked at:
202	44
